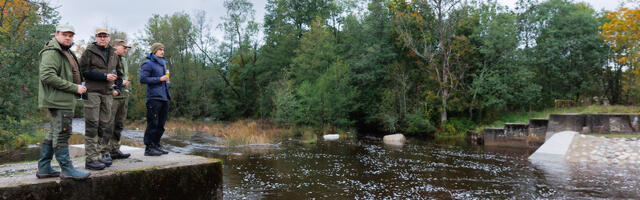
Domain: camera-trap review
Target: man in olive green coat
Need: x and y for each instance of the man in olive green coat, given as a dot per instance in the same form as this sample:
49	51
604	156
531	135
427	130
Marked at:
101	69
59	83
120	103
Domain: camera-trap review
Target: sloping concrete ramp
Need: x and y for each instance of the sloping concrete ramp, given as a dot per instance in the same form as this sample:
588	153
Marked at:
171	176
555	148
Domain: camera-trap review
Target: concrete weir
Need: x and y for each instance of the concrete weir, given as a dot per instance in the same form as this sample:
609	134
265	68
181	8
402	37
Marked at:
171	176
555	148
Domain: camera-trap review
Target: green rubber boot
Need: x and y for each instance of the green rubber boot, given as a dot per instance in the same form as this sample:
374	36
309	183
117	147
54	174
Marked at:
44	164
68	171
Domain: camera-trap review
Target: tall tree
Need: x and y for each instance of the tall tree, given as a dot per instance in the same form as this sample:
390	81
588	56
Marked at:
25	26
622	34
241	49
426	27
568	53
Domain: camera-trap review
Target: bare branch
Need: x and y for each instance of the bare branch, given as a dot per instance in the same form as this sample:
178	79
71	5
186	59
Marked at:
226	81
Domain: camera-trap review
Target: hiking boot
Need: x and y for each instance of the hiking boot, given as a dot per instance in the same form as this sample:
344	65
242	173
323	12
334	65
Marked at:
66	166
160	149
44	164
119	155
94	165
106	160
150	151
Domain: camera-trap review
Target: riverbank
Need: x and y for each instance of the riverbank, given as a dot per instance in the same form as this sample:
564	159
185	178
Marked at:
241	132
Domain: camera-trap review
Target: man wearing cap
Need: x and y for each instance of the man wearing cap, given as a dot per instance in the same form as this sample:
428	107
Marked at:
102	71
60	82
120	104
153	74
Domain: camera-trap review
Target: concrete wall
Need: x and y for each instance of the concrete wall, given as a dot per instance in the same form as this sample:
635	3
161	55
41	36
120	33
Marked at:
493	136
537	131
564	122
171	176
611	123
186	182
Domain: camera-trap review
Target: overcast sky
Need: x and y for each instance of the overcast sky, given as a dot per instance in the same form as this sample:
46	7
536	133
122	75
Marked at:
131	16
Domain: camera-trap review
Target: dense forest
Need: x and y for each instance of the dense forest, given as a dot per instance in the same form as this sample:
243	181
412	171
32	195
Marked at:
416	67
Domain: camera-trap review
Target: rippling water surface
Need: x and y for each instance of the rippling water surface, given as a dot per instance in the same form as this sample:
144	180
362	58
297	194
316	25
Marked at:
368	169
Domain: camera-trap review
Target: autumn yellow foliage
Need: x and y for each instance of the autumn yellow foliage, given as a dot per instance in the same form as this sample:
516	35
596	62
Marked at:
622	34
14	13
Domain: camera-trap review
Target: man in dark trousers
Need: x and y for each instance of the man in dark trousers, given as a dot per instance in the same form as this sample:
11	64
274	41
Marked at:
101	68
60	82
120	103
153	73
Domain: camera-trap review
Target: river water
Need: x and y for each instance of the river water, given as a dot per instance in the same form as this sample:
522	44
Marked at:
421	169
365	168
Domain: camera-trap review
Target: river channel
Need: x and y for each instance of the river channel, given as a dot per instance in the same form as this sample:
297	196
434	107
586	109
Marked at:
365	168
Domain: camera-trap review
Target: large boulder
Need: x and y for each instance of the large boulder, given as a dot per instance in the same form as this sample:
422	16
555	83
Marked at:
330	137
395	139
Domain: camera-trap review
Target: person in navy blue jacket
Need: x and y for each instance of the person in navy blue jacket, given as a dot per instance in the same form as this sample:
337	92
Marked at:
153	73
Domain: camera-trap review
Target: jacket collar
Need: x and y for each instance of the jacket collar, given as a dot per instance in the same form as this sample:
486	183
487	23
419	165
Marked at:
52	45
160	61
94	48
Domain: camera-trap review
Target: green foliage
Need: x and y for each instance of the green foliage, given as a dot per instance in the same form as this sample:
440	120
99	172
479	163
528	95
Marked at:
456	126
395	66
419	123
21	133
569	55
26	26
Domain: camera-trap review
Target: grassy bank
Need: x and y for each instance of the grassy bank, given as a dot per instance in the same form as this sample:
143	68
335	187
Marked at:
241	132
525	116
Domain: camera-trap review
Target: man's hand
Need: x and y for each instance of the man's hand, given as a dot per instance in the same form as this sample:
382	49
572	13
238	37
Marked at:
81	89
111	77
125	83
115	93
164	78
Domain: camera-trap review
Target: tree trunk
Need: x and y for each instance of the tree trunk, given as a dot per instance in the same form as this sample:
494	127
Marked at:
443	114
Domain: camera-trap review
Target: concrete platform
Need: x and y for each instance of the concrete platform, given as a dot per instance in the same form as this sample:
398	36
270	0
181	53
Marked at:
171	176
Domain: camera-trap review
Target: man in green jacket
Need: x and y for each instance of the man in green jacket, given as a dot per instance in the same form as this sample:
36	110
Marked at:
60	81
120	103
101	69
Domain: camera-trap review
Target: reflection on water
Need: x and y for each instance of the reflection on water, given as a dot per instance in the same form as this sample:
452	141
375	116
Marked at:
420	169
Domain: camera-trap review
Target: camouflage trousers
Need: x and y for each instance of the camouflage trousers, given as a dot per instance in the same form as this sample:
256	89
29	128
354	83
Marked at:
119	115
60	130
97	119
